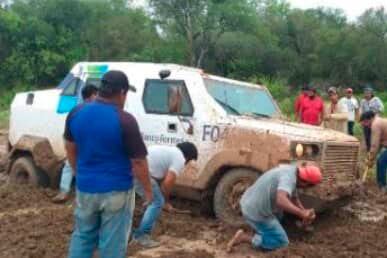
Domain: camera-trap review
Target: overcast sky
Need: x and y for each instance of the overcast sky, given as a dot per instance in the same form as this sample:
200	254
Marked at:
352	8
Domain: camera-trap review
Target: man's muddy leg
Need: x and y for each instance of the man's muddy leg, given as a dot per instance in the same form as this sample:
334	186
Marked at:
239	238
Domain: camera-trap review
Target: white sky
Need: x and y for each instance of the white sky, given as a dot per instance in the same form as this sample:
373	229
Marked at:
352	8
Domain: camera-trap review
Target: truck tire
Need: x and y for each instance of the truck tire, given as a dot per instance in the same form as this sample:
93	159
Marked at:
228	192
24	171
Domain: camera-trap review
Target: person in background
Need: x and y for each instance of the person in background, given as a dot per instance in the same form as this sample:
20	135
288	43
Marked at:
336	116
264	202
370	103
300	100
378	145
89	94
312	108
352	107
166	163
105	149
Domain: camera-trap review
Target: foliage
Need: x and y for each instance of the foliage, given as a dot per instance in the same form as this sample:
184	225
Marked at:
41	39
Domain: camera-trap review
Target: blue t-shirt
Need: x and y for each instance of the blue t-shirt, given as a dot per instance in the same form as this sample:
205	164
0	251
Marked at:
106	139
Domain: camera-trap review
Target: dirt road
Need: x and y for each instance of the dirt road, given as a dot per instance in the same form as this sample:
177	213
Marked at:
33	227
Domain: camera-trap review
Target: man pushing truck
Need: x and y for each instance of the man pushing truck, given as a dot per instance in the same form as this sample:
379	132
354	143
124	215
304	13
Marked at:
272	194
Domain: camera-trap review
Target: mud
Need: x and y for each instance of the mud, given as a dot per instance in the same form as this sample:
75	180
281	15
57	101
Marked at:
31	226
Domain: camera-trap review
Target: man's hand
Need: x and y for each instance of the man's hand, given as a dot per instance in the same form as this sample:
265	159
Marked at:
308	216
141	172
370	161
168	207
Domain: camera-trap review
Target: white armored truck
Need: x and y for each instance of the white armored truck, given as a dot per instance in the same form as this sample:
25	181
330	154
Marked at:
237	127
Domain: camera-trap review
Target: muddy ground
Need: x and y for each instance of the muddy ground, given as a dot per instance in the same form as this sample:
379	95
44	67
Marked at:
31	226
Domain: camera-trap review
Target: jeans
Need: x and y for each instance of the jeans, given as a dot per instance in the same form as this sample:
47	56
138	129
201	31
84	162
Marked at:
270	234
66	178
381	168
152	211
104	221
351	125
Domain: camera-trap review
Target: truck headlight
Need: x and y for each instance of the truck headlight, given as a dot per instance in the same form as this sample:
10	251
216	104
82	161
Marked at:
306	150
299	150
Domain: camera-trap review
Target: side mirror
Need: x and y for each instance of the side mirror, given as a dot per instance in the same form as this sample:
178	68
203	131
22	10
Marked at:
175	100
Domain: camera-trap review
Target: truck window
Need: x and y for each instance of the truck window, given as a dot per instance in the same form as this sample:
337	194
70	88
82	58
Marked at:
71	88
238	99
156	97
94	81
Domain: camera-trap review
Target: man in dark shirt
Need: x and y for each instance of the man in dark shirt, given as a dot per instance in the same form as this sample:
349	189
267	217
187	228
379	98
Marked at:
105	148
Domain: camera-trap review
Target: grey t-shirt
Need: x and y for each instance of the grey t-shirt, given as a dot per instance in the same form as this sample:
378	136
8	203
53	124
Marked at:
259	201
162	159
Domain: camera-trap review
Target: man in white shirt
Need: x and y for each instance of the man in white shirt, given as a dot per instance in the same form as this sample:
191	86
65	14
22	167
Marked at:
165	164
352	109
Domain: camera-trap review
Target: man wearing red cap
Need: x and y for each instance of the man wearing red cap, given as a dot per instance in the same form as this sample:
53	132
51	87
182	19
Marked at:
352	108
264	202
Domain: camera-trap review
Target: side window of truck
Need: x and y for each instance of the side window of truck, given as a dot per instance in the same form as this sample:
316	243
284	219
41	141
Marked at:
160	98
71	89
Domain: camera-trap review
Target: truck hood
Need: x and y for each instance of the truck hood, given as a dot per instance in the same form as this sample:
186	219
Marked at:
292	131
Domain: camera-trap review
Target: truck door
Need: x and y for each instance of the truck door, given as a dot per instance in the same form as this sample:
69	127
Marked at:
168	117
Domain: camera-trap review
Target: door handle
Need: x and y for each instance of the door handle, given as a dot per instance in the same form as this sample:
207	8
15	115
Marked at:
172	127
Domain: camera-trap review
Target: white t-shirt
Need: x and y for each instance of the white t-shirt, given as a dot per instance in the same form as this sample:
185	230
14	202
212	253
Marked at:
351	105
162	159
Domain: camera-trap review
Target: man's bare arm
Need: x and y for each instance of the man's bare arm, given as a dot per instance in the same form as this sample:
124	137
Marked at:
167	184
286	204
71	151
141	172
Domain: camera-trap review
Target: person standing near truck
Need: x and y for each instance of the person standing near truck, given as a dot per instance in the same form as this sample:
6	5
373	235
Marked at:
166	163
89	94
264	202
105	149
370	103
299	101
352	107
336	116
312	108
378	128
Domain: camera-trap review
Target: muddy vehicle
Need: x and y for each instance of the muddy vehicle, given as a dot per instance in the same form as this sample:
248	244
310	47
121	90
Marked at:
237	127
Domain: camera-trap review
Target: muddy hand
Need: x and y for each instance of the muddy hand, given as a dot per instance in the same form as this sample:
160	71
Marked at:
310	217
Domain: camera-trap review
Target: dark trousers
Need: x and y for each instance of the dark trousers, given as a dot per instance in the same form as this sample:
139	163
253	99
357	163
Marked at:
367	137
381	168
351	125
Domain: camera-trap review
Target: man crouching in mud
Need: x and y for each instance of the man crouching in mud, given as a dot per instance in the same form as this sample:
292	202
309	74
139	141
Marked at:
265	201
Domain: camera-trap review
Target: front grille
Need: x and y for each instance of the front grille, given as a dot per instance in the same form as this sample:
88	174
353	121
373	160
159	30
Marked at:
340	162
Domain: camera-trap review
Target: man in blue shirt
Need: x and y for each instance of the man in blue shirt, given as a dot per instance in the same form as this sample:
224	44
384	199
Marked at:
105	149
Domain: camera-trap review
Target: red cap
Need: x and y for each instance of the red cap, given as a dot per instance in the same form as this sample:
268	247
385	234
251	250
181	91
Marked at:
310	174
349	90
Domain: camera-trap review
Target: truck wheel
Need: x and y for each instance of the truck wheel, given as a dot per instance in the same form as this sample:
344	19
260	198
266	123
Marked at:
228	193
24	171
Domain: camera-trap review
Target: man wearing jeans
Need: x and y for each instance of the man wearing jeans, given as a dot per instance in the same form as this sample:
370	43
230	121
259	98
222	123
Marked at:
378	142
104	147
165	164
89	93
264	202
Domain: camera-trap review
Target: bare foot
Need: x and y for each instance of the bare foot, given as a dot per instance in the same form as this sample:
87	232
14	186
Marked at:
237	239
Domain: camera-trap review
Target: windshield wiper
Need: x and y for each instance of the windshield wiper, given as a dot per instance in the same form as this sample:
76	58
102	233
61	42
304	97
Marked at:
228	106
258	114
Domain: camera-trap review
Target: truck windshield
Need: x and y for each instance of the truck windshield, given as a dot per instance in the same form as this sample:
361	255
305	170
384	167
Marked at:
237	99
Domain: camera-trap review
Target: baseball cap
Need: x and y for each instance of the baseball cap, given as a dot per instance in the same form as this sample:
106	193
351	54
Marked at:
368	89
310	174
115	81
332	90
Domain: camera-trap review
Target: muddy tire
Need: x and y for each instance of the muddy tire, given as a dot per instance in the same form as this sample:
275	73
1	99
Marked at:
24	171
228	193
